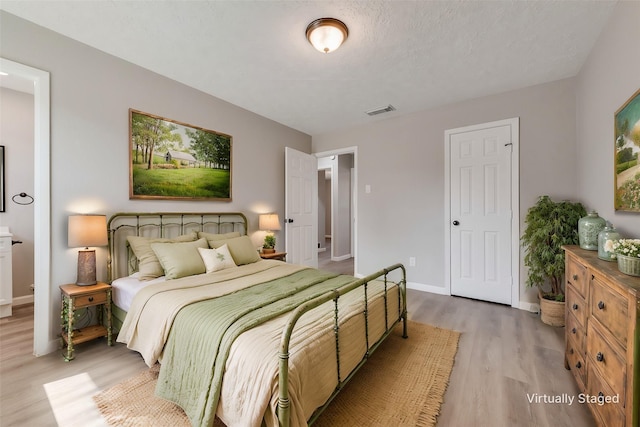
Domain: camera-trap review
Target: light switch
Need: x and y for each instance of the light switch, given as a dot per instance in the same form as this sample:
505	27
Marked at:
367	189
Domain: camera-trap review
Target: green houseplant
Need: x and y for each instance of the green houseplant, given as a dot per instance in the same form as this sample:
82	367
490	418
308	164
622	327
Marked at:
549	226
269	244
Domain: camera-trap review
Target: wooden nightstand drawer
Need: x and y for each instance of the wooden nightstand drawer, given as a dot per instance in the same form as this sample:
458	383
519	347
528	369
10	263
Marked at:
577	306
610	309
577	276
606	361
89	300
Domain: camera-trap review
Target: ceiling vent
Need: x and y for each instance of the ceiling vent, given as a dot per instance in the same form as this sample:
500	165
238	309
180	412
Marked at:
381	110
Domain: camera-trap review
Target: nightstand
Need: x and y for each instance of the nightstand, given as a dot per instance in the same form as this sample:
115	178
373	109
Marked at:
276	255
75	297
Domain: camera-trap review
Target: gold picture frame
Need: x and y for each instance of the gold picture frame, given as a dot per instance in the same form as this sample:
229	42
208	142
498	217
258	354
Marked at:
626	168
174	160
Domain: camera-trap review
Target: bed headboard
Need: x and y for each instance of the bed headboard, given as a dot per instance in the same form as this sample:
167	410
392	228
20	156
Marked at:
165	225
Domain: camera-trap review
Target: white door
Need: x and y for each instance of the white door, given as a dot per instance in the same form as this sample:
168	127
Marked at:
301	207
481	211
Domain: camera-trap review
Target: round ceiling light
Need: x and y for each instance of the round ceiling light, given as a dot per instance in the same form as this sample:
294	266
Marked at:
327	34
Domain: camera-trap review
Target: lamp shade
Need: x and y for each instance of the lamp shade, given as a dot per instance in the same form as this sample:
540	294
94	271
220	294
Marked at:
269	222
87	230
327	34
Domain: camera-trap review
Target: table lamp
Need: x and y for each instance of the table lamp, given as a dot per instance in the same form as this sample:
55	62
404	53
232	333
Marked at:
85	231
269	223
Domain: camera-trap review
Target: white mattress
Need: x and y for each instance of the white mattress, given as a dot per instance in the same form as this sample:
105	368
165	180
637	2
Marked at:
125	288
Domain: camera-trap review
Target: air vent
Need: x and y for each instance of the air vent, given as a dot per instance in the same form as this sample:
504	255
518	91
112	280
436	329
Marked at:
381	110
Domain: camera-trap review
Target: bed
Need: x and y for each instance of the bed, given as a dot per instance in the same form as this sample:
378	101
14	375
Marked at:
250	341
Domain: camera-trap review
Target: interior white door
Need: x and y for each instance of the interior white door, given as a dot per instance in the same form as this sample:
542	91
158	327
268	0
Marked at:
301	207
481	212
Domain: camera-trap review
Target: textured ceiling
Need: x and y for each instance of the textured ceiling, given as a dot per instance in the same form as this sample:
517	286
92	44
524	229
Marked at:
412	54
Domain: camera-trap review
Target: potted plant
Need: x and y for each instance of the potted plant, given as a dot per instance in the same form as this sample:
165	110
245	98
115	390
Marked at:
269	245
549	226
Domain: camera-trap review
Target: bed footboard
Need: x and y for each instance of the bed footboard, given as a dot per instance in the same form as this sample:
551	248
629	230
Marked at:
284	404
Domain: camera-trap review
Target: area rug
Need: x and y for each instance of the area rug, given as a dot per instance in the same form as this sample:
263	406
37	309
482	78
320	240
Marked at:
403	384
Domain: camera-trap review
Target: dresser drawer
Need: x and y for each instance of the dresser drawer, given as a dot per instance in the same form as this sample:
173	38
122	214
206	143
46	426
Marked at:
610	308
576	305
89	300
576	333
606	410
605	360
576	275
575	360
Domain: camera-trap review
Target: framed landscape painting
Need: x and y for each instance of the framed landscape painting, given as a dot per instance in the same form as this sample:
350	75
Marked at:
627	147
173	160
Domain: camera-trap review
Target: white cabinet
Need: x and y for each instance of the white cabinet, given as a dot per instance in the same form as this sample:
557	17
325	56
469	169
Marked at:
6	277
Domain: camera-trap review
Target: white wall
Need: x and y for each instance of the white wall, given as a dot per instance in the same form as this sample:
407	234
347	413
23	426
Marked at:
609	77
16	134
402	159
91	93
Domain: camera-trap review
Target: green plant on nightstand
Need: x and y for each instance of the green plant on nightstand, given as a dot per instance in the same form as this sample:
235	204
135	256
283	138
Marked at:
269	242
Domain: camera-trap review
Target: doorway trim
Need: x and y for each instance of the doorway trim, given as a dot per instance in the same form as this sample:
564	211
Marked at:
354	197
42	344
514	123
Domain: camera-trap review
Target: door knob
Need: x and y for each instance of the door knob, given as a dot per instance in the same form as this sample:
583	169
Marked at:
288	220
456	222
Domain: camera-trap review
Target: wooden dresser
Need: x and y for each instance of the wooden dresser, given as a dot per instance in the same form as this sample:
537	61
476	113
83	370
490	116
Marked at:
603	336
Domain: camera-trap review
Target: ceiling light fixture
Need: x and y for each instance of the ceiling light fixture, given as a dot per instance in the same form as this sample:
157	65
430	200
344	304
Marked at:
327	34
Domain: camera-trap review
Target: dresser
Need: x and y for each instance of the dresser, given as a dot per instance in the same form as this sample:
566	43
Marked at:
603	336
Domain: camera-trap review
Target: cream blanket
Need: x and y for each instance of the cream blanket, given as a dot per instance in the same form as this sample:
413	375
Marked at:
250	387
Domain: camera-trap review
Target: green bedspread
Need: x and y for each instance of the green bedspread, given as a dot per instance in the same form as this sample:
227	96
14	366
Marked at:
202	333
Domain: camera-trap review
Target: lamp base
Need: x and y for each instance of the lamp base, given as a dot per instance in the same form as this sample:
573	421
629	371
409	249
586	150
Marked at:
86	268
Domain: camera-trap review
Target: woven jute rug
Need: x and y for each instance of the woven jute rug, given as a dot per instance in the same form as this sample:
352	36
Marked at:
402	384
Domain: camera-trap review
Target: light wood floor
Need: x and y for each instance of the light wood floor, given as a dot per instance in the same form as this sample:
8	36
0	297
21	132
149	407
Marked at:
503	354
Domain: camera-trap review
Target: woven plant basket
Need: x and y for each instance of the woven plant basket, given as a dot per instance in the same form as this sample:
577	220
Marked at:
552	312
629	265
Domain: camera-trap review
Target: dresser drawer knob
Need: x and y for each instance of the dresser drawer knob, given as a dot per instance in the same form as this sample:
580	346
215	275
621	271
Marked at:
578	365
571	351
575	277
575	306
600	357
573	330
90	299
600	394
601	305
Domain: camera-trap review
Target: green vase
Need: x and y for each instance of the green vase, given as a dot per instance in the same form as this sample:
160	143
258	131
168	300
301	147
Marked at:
607	233
588	229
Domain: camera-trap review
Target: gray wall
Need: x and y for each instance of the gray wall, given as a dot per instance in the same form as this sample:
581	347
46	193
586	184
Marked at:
402	159
91	93
607	80
566	151
16	134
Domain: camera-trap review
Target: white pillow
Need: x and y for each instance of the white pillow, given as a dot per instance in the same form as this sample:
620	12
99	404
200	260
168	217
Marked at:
216	259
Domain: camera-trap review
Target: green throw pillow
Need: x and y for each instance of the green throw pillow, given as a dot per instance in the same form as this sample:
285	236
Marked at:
180	259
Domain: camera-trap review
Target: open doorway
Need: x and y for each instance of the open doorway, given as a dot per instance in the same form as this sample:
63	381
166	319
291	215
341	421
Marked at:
43	342
337	211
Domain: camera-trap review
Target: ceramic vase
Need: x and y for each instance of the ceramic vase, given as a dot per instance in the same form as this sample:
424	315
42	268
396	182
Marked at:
607	233
588	229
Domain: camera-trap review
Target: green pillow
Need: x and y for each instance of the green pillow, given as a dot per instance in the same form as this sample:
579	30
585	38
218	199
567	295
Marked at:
148	264
242	249
180	259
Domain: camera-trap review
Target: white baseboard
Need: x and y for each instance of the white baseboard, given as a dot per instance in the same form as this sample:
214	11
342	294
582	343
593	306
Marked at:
27	299
341	258
533	307
524	305
427	288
